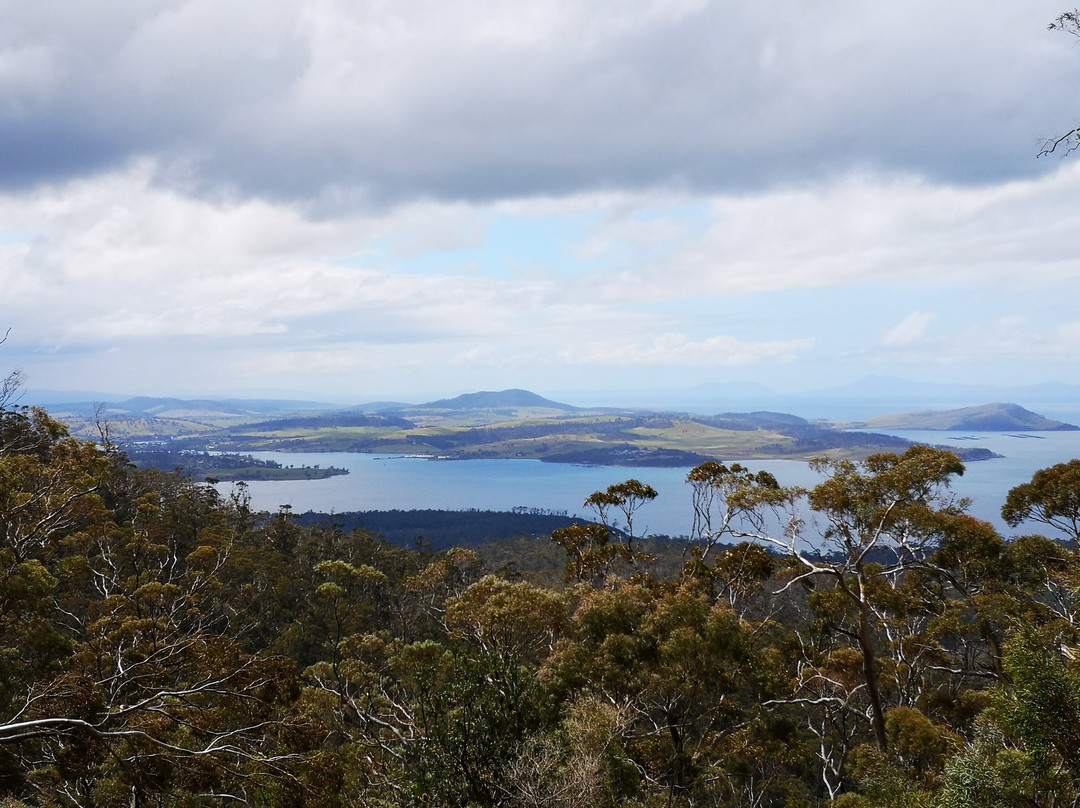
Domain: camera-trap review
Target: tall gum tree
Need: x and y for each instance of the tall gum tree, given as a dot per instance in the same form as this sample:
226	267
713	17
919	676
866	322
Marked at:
882	518
1051	498
126	675
871	522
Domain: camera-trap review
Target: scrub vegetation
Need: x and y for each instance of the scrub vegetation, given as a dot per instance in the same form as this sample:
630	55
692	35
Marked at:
864	643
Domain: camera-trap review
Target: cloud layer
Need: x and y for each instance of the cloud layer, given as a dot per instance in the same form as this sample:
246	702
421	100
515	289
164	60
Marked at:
356	199
326	101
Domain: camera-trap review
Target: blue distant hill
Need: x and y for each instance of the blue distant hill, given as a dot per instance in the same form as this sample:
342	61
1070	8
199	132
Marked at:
498	400
985	418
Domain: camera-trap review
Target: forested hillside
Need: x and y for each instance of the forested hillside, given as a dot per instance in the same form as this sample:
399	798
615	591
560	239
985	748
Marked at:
865	643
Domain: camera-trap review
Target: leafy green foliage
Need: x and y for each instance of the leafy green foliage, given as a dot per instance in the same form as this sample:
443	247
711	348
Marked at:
1051	498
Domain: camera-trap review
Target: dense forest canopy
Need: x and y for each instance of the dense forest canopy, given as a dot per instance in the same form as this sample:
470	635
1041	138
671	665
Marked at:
865	643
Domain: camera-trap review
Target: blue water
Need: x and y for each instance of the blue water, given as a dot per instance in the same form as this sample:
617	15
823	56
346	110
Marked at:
987	482
376	482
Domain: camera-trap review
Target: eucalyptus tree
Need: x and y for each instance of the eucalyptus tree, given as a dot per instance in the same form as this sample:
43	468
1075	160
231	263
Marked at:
676	664
592	549
882	518
1051	498
122	669
869	524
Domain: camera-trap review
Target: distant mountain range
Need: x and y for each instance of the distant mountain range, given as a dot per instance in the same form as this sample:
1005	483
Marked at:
152	407
492	406
865	398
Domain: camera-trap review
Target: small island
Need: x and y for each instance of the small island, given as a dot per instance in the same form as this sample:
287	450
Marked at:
227	467
996	417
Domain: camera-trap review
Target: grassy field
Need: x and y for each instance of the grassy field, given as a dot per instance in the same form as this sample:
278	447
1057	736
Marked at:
690	436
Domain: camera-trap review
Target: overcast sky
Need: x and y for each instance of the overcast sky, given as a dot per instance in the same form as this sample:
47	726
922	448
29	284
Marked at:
352	200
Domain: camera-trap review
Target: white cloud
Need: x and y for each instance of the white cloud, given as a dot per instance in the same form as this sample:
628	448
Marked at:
1005	342
909	330
673	281
676	350
341	191
119	257
1067	336
471	356
859	229
1016	338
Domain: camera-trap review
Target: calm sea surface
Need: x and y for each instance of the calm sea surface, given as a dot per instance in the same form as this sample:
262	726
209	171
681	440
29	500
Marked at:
378	482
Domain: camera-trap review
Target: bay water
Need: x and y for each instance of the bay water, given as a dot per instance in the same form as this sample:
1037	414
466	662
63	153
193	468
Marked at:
381	482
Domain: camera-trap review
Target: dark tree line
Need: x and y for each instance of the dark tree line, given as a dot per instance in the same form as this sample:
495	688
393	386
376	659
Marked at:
441	530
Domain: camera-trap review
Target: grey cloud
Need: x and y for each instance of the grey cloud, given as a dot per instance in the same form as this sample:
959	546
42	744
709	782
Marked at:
345	102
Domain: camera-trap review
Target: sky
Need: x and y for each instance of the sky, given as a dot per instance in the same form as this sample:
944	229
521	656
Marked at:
355	200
